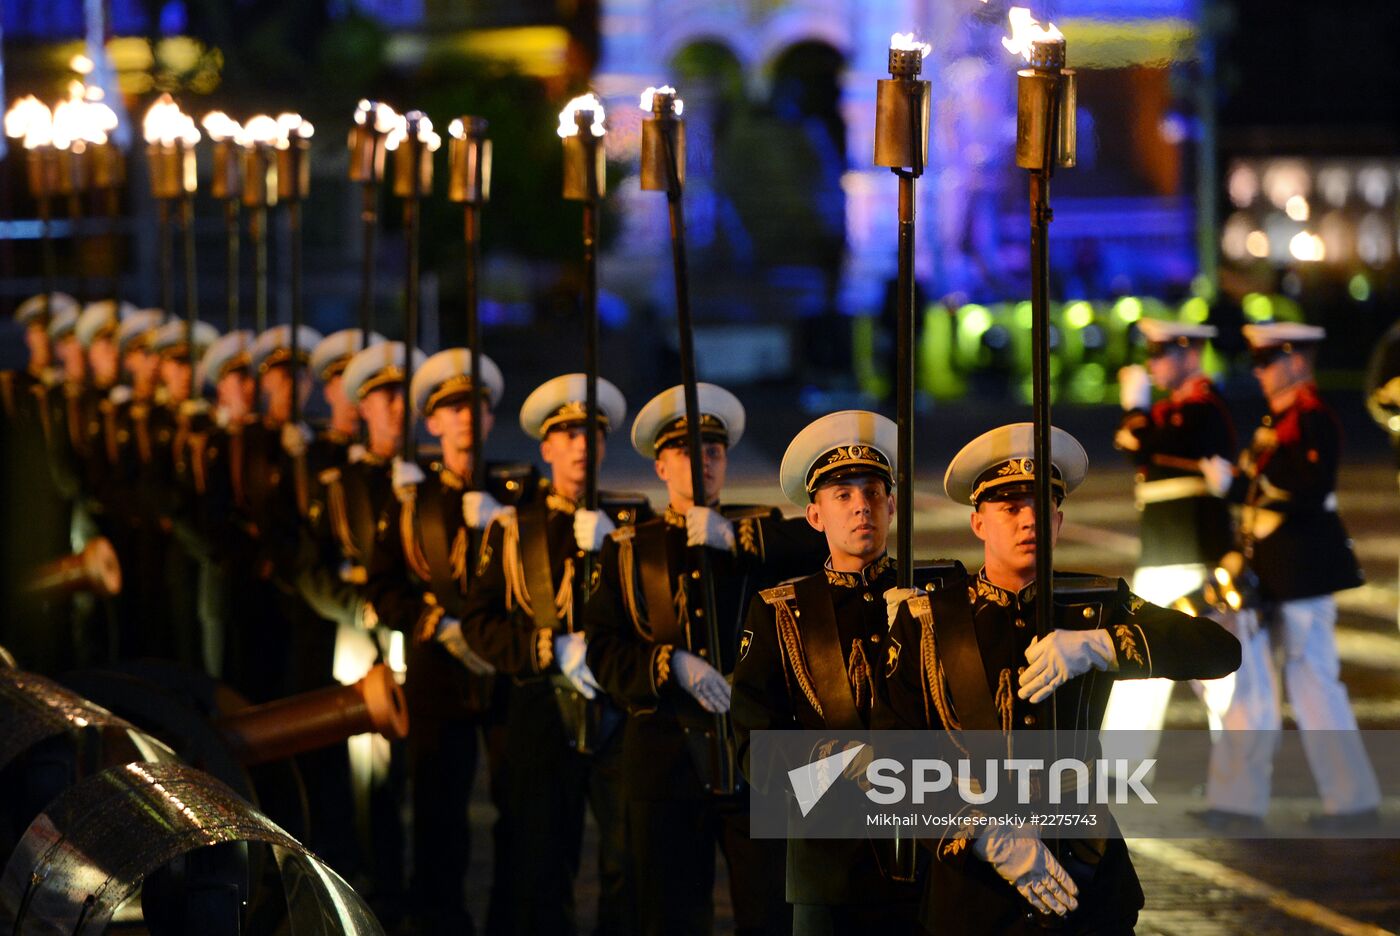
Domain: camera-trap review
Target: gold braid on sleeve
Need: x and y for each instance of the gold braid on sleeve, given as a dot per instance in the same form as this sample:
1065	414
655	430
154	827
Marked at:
408	535
339	513
791	640
935	682
627	581
513	566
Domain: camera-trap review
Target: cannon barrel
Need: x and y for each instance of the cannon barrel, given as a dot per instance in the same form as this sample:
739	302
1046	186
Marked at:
95	569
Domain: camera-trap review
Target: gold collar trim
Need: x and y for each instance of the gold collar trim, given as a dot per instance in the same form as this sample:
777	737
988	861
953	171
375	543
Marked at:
999	595
866	576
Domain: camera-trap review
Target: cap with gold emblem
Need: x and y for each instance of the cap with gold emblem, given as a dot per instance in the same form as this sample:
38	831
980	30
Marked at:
838	447
170	340
446	377
274	346
226	354
1282	336
1001	463
332	354
379	365
560	404
1161	335
100	320
136	330
32	309
662	422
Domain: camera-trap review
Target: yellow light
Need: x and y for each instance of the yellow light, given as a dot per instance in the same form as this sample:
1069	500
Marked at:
1079	314
1296	208
1257	243
1307	247
584	102
1195	310
1129	308
1024	314
1257	307
81	64
975	319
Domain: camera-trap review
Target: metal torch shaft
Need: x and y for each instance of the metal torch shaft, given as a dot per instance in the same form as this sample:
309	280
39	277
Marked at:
50	259
257	229
75	218
721	749
412	231
231	245
191	272
369	230
904	387
1040	377
590	312
295	261
472	235
167	258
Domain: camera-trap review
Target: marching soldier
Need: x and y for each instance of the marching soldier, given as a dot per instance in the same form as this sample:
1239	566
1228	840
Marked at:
969	648
1296	544
421	574
814	650
1185	528
523	616
646	646
33	316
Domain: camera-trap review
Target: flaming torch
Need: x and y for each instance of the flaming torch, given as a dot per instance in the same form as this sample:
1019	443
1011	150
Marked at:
469	157
901	143
105	169
170	138
1045	139
663	170
373	122
225	185
413	142
260	135
30	120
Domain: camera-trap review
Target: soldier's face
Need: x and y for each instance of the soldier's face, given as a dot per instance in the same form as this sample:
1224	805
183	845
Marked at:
382	409
176	375
673	468
74	362
1173	367
235	390
36	336
452	423
141	365
277	392
334	392
565	450
103	358
1007	530
1281	372
855	515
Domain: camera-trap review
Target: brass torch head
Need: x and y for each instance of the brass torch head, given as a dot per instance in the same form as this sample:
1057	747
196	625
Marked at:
1046	101
663	122
469	161
906	63
584	161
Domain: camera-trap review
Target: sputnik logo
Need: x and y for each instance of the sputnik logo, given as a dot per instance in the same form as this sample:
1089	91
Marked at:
810	783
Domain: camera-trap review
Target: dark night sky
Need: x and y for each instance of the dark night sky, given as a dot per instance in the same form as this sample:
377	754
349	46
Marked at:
1312	63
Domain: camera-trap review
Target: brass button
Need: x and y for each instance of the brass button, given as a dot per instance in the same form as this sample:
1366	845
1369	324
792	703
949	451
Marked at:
797	612
699	612
1028	721
869	597
874	638
695	574
1088	614
1020	623
512	485
702	652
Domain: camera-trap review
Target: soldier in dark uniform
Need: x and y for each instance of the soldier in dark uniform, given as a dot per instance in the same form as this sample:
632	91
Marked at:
1185	528
1296	544
969	647
524	615
812	656
170	484
33	627
420	576
647	647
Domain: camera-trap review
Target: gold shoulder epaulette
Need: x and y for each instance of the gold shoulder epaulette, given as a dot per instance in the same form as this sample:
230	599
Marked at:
779	593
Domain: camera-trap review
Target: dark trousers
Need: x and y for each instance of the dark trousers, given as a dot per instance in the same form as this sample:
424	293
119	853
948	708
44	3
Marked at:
899	919
549	785
673	851
442	754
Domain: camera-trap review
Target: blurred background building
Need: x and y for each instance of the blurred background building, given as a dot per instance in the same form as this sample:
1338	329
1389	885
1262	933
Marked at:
1237	161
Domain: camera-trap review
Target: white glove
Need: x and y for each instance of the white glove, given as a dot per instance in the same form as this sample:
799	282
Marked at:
1022	859
296	439
591	528
405	475
1134	387
571	653
1060	656
356	453
449	634
1219	473
894	597
706	527
701	680
479	508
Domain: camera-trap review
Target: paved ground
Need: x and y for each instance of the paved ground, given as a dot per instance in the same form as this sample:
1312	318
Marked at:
1198	887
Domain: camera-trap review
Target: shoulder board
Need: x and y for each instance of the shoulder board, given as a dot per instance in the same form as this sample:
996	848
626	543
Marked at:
1077	587
778	594
747	511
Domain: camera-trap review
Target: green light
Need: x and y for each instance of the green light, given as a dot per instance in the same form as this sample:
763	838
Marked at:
1195	310
975	320
1359	287
1023	314
1257	307
1079	314
1129	308
1202	286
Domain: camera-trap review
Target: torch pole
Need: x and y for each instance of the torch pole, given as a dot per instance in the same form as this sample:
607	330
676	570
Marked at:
369	229
471	213
723	767
191	270
167	258
590	310
50	259
412	231
257	230
231	259
1040	377
295	260
904	386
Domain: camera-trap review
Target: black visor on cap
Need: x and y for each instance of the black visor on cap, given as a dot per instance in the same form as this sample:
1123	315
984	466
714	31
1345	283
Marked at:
675	433
846	462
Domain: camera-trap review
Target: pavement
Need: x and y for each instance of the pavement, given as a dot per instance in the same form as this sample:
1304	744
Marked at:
1194	887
